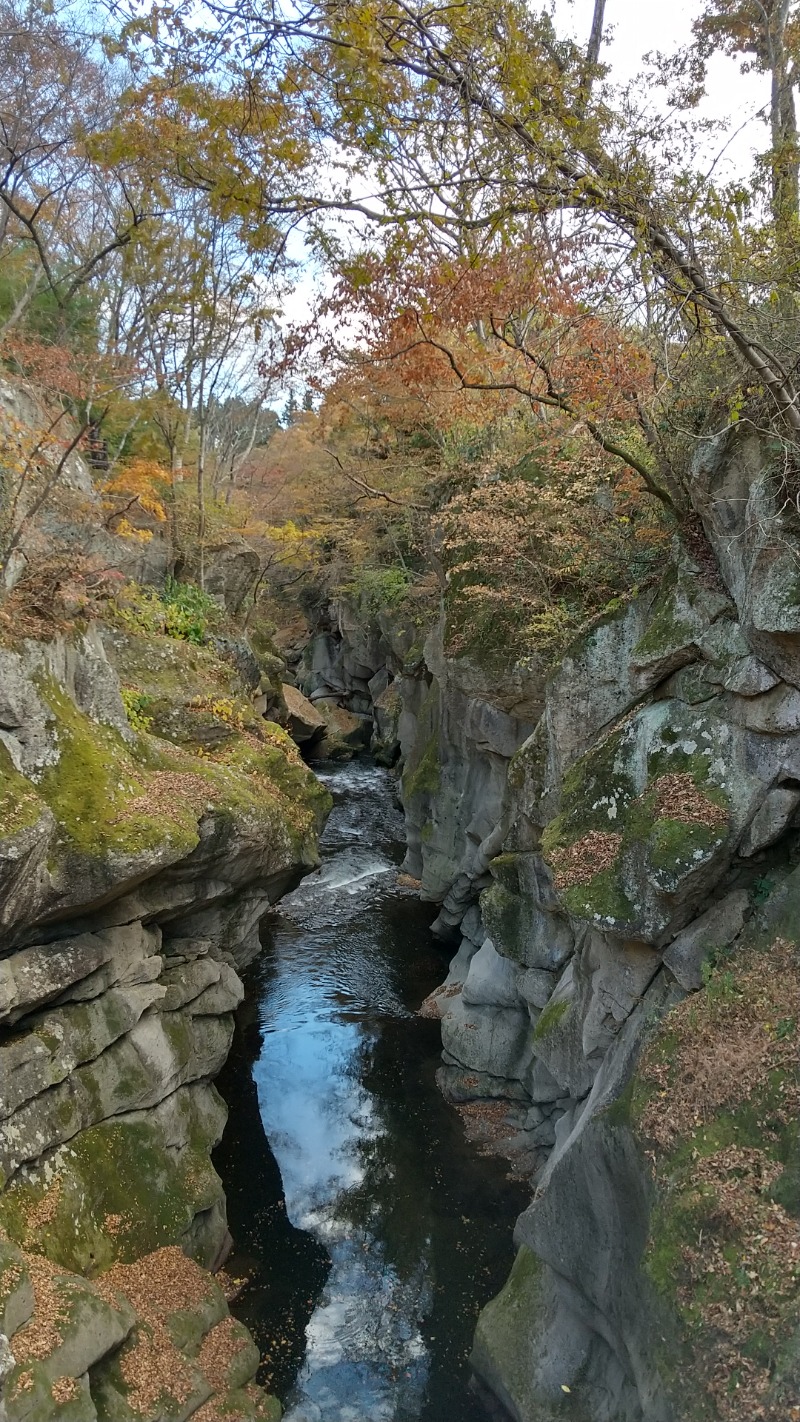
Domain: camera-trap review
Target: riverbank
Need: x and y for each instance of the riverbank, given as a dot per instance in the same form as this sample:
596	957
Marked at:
395	1230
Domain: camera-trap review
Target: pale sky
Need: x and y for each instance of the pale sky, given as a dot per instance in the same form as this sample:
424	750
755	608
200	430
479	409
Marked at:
633	29
637	27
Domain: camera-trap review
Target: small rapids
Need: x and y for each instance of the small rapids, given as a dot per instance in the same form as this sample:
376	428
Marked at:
380	1234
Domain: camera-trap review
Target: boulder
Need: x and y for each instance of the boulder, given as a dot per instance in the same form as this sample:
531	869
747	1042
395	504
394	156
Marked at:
306	723
230	573
770	820
707	935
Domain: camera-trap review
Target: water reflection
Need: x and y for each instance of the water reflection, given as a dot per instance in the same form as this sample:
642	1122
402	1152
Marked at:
374	1167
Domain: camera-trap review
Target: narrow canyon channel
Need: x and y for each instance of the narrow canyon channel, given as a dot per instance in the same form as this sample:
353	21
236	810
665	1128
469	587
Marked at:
369	1231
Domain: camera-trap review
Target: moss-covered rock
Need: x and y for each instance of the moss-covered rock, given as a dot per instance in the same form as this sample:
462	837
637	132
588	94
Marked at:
124	1188
506	1338
649	819
714	1105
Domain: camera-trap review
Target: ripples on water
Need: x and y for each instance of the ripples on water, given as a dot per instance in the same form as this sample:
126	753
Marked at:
412	1231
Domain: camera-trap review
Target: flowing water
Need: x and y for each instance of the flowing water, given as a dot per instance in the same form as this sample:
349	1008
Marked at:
370	1232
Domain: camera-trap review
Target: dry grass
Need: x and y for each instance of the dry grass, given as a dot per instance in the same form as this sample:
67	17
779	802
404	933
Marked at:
678	798
726	1045
168	792
157	1285
42	1335
219	1348
726	1076
65	1389
579	862
744	1289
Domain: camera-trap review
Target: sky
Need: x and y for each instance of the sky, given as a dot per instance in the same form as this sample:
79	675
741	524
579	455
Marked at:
638	27
634	28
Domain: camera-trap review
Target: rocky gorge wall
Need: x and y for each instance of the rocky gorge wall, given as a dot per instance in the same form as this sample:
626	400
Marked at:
140	847
615	848
450	725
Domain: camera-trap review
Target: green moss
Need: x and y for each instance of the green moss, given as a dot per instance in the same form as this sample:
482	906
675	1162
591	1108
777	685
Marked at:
507	921
550	1017
91	788
665	629
122	1192
505	869
620	1111
425	777
593	786
20	806
672	759
602	897
508	1332
674	844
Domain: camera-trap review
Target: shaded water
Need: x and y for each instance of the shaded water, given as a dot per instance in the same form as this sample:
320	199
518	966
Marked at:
370	1231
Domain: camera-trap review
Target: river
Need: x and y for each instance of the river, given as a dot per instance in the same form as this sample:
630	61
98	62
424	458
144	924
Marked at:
369	1230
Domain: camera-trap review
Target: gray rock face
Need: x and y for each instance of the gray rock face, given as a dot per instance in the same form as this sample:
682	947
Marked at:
117	992
230	573
452	726
707	935
306	725
663	774
740	500
770	820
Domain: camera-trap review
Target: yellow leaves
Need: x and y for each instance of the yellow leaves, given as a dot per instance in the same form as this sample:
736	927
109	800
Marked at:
136	485
127	530
223	707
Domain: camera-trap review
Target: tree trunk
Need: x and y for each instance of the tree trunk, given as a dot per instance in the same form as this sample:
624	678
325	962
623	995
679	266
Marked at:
783	120
201	508
596	36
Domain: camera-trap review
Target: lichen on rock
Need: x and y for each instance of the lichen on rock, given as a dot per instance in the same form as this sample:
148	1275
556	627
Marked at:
111	1031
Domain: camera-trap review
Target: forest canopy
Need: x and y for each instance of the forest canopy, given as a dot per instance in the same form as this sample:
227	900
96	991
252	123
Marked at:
538	291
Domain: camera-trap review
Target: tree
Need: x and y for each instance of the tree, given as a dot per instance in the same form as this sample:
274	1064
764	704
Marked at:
471	121
196	297
63	212
765	35
514	327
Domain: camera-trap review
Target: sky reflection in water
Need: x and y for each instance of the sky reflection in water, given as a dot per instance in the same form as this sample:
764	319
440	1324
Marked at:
373	1163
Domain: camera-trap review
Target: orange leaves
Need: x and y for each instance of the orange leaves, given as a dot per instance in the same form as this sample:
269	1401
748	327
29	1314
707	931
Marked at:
483	338
139	484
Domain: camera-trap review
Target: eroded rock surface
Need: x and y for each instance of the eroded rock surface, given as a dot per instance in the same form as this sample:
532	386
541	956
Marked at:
644	820
134	869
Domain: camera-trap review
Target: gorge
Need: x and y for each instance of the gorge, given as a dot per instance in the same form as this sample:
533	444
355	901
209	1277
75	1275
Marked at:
609	852
399	711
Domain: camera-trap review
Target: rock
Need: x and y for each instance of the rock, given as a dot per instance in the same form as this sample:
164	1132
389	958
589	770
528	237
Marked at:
346	733
749	677
536	986
521	912
320	672
386	717
231	572
491	980
111	1035
662	860
678	624
775	712
378	684
574	1313
37	975
594	684
471	1037
542	1086
770	820
708	934
756	546
306	724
